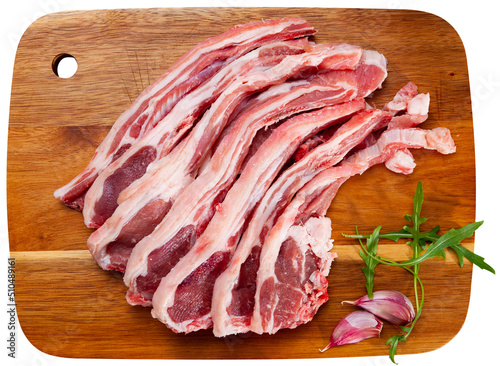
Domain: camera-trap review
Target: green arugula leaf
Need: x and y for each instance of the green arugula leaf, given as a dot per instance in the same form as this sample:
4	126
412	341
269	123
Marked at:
459	255
472	257
405	329
393	341
431	236
450	238
418	199
370	261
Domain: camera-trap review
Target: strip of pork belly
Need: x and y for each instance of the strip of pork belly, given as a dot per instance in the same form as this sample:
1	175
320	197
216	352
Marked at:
101	198
237	306
195	274
155	192
195	205
192	70
150	260
295	260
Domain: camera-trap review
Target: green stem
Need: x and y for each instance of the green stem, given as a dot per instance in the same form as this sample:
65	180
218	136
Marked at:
427	236
419	305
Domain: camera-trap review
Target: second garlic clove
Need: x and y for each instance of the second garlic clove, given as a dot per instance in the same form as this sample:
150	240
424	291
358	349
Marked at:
355	327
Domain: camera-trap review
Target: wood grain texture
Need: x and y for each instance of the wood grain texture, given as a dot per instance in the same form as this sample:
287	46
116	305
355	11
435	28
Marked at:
69	307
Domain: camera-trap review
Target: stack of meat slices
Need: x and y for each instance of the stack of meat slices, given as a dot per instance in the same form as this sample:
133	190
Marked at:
210	192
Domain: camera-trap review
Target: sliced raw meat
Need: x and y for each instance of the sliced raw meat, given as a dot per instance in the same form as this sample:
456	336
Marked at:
272	205
195	208
189	72
196	203
197	271
101	198
234	291
324	57
370	71
166	178
295	259
145	264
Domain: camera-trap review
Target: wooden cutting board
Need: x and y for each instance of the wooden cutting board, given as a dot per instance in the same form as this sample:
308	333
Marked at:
69	307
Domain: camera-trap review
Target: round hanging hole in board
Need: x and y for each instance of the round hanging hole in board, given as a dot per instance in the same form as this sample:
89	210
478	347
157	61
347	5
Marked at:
64	65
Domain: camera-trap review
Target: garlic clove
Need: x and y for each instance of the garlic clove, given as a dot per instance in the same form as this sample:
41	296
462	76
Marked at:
388	305
355	327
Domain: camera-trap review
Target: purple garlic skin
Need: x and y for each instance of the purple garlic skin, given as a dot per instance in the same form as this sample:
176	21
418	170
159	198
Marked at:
355	327
388	305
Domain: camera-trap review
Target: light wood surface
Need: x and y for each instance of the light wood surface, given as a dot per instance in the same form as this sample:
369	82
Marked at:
69	307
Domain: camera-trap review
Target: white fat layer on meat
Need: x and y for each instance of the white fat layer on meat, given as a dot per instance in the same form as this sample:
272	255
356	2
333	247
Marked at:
370	57
172	182
401	162
419	104
102	159
375	58
316	233
242	38
279	89
168	126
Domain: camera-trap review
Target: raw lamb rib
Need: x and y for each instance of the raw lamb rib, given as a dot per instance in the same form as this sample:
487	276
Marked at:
175	236
295	258
272	204
156	191
145	268
183	299
188	73
195	205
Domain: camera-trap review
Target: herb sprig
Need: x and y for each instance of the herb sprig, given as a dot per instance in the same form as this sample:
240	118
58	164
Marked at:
424	245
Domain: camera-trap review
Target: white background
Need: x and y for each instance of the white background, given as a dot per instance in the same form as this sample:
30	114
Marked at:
478	25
